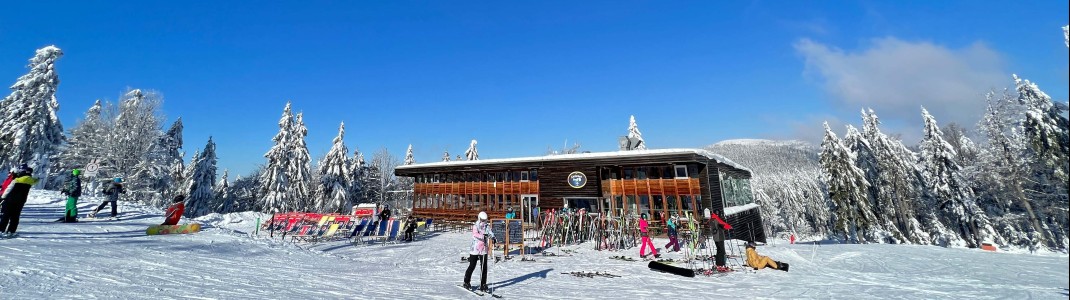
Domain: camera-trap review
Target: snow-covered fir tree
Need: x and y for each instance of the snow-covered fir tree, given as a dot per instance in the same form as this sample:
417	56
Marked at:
300	166
357	172
275	181
472	153
30	131
409	159
226	202
953	197
1047	140
897	183
635	135
335	176
200	191
881	230
846	187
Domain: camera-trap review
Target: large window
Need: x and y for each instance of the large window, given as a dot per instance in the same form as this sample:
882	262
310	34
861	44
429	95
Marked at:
735	190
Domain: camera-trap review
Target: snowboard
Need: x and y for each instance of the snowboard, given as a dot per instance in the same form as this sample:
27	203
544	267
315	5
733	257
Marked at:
173	229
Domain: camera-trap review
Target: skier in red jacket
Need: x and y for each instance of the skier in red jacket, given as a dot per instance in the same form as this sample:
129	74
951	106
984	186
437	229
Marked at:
174	212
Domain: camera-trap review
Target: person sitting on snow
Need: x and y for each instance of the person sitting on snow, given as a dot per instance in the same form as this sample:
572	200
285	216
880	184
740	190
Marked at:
758	261
174	212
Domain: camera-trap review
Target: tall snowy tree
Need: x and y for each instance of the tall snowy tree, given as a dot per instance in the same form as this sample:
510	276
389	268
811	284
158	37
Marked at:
275	180
30	131
200	190
846	187
472	153
357	172
84	144
1047	140
300	167
227	203
897	183
635	136
953	197
881	230
129	144
335	176
409	159
157	169
382	178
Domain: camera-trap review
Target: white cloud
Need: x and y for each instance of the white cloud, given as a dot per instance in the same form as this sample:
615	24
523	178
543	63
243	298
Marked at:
896	78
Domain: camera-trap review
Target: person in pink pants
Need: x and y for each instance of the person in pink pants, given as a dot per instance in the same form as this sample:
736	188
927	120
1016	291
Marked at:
646	239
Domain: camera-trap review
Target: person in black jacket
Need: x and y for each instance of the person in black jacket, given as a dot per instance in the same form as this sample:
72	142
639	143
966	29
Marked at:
14	198
111	196
73	189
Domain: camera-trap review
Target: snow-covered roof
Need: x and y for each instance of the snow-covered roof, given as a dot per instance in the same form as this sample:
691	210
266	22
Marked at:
581	156
731	210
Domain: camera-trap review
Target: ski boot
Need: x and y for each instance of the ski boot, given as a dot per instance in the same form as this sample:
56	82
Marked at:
466	286
782	266
484	288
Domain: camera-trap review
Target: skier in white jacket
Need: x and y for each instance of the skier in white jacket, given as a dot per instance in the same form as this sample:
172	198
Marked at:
481	237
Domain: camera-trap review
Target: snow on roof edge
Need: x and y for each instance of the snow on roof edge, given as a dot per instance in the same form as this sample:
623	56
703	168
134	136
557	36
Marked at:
576	156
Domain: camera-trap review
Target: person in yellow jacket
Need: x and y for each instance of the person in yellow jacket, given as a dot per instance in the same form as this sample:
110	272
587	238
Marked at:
758	261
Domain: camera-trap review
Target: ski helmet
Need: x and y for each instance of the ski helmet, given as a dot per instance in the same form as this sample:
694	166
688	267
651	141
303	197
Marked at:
76	172
483	215
118	179
179	198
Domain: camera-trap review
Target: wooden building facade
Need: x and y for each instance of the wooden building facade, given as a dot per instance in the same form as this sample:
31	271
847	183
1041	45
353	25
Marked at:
658	183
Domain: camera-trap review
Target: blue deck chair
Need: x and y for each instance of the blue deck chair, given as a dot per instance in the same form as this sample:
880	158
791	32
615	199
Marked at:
393	229
358	228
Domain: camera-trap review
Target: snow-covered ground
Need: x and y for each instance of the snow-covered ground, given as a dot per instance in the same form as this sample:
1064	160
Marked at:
116	260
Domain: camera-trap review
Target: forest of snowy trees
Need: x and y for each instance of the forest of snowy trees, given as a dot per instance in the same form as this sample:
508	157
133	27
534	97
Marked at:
128	139
1007	185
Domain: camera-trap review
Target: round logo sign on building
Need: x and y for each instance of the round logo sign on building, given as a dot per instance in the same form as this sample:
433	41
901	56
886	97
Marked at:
577	179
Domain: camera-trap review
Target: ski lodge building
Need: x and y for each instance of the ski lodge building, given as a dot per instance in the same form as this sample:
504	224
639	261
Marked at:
632	182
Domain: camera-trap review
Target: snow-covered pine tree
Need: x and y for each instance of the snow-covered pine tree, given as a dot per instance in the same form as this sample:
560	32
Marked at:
867	223
226	202
1045	130
409	159
30	131
275	181
446	155
200	192
881	230
300	167
898	182
846	186
335	176
634	134
472	153
357	168
244	188
954	198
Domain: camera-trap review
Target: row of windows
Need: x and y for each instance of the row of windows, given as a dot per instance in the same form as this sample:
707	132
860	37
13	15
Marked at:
652	172
503	176
735	190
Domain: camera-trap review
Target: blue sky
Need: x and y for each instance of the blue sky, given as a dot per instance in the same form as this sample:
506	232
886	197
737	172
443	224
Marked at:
521	77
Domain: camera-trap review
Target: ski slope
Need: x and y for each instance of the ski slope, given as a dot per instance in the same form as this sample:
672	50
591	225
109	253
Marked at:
116	260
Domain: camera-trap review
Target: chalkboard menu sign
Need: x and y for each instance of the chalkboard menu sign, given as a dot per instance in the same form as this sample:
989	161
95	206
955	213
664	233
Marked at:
516	233
498	228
